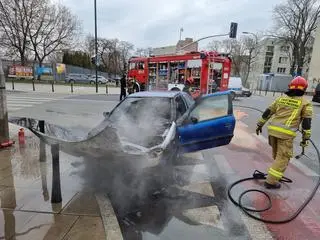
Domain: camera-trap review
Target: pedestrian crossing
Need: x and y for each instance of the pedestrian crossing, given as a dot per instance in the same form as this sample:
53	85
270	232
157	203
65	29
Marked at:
15	103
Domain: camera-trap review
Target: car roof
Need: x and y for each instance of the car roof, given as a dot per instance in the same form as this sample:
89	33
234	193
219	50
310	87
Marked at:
164	94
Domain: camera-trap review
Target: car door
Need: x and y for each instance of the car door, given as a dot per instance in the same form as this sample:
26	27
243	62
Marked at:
209	123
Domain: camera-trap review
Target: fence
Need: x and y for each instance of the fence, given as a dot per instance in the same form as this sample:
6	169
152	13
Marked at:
57	77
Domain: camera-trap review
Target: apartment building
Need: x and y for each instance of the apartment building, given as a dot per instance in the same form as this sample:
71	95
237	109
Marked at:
271	56
314	68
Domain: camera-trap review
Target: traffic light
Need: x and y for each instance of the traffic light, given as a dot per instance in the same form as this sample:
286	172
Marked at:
233	30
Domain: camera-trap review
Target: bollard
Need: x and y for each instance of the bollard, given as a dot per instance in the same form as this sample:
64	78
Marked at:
274	92
42	144
33	87
260	91
266	93
71	87
52	84
106	88
56	184
12	84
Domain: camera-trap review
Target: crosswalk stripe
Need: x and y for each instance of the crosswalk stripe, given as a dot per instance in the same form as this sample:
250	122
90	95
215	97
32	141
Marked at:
302	167
19	105
223	164
32	99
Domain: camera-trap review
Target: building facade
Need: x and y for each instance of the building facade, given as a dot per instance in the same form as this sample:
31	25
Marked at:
270	57
314	69
182	46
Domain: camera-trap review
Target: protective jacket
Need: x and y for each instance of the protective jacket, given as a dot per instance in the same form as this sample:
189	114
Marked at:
286	114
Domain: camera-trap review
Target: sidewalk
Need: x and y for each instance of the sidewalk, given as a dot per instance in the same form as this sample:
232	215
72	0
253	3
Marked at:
65	89
26	211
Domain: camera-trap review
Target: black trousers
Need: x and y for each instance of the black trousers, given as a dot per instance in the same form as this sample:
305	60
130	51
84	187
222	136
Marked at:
123	93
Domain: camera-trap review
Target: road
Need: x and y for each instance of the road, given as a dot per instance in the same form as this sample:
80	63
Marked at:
192	202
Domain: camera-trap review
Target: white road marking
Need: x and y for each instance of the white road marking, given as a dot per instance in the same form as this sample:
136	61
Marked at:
307	171
209	216
109	218
223	164
203	188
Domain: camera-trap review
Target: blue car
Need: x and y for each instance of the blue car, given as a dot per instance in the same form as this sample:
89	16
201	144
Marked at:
171	122
149	128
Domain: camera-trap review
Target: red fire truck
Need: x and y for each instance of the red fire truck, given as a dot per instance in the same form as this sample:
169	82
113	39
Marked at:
199	72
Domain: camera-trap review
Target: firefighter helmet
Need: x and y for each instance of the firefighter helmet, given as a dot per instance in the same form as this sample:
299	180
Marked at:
298	83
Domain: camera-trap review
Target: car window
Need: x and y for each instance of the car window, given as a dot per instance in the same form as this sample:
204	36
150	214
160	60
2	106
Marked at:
180	106
140	110
189	99
211	107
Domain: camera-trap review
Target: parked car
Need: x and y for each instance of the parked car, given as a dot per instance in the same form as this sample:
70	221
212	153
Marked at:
246	92
77	78
235	87
101	79
316	96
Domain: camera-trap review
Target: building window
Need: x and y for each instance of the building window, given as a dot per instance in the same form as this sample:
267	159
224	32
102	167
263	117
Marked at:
270	48
285	48
283	59
281	70
267	70
268	61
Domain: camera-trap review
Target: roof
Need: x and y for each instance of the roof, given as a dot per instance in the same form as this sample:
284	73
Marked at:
164	94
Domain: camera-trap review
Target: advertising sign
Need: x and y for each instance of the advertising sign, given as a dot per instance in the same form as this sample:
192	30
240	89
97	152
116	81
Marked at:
17	71
61	68
46	73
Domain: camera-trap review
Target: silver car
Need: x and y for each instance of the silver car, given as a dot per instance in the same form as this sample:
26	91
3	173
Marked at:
77	78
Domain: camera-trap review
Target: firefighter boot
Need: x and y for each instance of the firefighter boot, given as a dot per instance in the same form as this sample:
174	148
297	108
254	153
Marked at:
283	149
272	186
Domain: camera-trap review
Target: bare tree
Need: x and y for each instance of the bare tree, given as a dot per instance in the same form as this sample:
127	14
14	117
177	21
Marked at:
15	20
296	22
54	28
243	52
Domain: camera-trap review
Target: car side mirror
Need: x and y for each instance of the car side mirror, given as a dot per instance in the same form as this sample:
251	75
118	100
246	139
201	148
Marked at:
194	120
106	114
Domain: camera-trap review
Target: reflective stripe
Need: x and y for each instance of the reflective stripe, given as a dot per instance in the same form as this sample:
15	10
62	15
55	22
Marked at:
282	130
275	173
292	117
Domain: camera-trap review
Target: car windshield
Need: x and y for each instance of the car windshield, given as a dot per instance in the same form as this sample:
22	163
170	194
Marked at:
140	119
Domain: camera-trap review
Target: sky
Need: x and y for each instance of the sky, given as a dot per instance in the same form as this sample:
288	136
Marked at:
151	23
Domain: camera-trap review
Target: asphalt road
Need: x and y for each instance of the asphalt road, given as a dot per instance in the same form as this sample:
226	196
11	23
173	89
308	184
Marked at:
189	201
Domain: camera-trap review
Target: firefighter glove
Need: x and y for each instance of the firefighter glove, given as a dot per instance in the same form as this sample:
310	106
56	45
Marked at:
258	129
260	124
304	143
306	134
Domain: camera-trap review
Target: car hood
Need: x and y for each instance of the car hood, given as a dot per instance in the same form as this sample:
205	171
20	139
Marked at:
103	139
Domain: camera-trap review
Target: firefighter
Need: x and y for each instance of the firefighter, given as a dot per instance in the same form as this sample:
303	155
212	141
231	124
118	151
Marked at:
286	114
123	85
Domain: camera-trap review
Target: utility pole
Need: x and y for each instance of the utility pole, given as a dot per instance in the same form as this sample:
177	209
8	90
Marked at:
4	126
96	42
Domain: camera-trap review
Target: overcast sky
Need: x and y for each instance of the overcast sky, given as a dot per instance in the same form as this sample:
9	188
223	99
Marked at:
151	23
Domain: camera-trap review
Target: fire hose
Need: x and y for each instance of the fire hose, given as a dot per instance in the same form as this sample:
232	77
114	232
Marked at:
257	175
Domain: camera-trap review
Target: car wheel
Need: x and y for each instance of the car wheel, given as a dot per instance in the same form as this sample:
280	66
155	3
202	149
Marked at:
100	82
92	82
71	81
175	89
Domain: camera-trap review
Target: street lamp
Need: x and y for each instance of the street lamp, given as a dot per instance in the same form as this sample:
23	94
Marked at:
96	42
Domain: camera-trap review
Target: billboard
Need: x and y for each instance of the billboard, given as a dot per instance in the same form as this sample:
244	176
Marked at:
61	68
17	71
46	73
